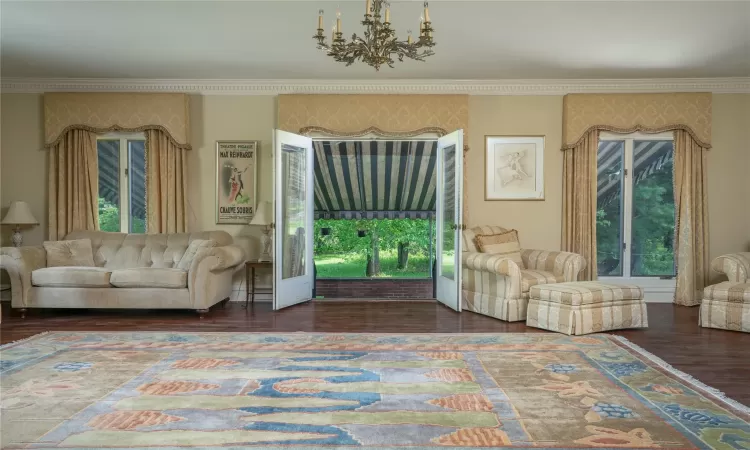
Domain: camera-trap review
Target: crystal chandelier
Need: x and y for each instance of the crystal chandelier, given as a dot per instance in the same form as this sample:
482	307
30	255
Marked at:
379	45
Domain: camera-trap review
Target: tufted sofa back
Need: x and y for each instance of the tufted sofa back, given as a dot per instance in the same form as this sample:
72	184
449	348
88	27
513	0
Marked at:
470	233
127	251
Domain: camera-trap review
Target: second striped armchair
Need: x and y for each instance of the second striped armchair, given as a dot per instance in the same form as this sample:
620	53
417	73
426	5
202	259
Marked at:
498	287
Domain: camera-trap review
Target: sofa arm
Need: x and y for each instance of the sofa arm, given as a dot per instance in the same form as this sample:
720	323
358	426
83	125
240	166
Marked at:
20	262
736	266
225	257
210	274
489	274
487	262
562	264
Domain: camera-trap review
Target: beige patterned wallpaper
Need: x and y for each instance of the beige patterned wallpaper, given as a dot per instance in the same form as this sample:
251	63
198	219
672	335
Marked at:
637	112
101	112
391	113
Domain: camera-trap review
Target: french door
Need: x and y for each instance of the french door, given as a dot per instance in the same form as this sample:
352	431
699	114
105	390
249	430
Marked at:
293	219
448	219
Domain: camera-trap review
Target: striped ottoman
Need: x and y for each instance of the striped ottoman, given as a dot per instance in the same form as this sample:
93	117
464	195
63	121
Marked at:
726	306
583	307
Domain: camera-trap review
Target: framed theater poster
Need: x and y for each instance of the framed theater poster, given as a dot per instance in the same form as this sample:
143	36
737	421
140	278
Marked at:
514	168
236	181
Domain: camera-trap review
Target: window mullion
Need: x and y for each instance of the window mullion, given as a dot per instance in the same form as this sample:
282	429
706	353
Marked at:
628	209
124	191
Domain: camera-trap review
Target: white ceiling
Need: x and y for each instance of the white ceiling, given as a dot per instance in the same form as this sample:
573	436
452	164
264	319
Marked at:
480	40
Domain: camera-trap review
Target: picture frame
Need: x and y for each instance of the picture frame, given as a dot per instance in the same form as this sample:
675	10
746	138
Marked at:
236	181
514	168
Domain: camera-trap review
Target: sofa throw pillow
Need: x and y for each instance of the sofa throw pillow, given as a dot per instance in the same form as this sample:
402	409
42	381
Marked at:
75	253
193	249
505	244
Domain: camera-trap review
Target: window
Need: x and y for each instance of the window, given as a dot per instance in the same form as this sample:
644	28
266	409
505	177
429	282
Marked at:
635	220
122	182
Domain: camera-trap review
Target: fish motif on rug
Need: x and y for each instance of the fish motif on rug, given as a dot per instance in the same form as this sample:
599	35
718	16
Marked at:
316	391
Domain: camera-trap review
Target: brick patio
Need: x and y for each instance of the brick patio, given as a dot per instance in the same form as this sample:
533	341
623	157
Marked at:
384	288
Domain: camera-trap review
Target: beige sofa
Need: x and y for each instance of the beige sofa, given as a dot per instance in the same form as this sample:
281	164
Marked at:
132	271
498	287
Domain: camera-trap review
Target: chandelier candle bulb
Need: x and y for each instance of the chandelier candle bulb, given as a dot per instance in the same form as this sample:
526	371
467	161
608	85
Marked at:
367	8
320	19
426	13
338	22
388	15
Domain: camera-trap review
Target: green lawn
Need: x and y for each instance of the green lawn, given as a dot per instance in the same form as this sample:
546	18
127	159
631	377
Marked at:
345	266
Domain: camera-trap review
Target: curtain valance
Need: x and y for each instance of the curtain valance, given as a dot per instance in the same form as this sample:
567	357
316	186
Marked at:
390	115
103	112
627	113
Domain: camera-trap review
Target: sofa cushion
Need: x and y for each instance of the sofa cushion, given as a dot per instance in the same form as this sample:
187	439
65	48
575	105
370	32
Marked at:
149	277
531	278
195	247
77	252
148	250
728	291
71	277
505	244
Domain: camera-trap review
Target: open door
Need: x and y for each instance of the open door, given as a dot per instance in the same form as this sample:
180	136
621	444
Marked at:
293	211
448	219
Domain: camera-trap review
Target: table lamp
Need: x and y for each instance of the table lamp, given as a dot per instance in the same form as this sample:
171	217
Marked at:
264	217
19	214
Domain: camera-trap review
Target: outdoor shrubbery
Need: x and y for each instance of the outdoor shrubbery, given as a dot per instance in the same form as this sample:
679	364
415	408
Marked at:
389	248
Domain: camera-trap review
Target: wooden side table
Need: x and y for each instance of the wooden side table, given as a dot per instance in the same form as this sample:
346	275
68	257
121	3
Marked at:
250	267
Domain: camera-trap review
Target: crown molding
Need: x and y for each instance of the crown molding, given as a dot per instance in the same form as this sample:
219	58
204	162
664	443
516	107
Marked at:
470	87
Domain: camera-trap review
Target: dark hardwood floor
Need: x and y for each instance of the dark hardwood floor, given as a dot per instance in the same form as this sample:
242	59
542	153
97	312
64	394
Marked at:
718	358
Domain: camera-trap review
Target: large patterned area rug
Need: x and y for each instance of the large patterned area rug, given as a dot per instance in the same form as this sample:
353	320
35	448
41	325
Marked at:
305	391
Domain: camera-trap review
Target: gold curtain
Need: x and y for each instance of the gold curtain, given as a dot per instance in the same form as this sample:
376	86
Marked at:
691	208
579	201
73	184
166	184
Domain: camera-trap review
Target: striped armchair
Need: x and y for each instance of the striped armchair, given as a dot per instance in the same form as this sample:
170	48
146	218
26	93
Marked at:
498	287
736	266
726	305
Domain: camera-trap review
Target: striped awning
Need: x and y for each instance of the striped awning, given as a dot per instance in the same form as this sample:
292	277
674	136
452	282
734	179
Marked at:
648	156
375	179
109	174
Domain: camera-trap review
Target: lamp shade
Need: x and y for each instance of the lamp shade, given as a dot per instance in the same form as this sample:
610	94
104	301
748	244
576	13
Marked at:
263	214
19	213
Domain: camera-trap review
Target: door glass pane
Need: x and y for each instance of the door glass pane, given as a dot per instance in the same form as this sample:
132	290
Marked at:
609	207
653	222
108	152
448	188
137	186
293	198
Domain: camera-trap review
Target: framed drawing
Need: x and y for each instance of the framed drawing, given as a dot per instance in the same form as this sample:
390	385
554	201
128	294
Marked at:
236	181
514	168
